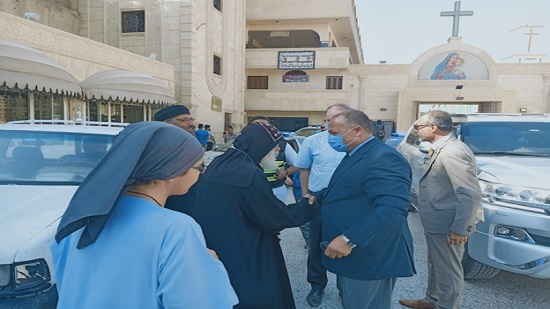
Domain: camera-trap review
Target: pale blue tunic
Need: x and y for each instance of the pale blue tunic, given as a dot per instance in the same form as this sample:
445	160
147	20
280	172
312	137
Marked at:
145	257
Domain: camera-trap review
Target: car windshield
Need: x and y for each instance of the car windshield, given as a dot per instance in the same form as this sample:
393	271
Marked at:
509	138
49	158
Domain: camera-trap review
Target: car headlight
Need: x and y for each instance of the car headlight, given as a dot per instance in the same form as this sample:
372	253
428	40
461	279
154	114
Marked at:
4	275
530	199
31	273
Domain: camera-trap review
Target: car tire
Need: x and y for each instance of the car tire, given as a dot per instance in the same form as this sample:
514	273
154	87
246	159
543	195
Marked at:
476	270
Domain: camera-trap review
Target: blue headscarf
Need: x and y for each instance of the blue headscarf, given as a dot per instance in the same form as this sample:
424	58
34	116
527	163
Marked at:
143	151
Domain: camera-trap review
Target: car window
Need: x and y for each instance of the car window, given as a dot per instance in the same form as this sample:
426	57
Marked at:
520	138
49	157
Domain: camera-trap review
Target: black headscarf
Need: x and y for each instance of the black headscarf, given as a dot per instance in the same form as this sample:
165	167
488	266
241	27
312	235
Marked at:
143	151
170	112
234	166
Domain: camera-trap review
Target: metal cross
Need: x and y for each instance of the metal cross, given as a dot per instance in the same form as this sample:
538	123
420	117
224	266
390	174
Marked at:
456	16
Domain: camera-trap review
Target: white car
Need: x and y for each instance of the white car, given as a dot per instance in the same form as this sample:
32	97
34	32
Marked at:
513	161
41	166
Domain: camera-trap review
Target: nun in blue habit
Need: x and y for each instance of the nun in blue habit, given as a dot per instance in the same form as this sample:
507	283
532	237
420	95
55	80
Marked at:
118	247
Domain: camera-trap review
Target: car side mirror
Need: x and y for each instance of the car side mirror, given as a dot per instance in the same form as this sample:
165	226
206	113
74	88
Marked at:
424	147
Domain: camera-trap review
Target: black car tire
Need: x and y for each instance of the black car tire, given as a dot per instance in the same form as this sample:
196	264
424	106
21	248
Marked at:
476	270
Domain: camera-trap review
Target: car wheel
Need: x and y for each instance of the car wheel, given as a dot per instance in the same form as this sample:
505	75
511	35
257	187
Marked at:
476	270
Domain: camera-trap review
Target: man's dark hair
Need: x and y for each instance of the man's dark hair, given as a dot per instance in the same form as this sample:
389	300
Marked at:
230	127
206	126
201	126
441	119
252	119
354	118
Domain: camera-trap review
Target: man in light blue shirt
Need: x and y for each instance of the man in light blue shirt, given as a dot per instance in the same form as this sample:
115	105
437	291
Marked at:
317	162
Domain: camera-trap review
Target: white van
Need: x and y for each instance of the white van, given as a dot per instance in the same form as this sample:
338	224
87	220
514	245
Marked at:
513	160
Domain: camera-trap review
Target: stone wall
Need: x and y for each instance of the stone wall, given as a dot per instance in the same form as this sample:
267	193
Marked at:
82	57
58	14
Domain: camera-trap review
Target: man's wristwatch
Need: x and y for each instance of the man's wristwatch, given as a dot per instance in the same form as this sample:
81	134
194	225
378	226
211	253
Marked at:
348	242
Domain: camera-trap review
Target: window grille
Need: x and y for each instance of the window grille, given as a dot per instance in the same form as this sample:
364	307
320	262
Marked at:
218	5
334	82
133	21
257	82
217	65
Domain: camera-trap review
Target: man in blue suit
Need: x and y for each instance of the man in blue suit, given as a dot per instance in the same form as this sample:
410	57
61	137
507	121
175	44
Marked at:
364	215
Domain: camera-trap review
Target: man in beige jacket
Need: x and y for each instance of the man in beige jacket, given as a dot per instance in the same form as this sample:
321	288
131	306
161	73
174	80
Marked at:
449	198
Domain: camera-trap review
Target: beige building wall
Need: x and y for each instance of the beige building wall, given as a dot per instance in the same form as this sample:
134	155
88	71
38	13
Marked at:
186	35
394	92
81	56
59	14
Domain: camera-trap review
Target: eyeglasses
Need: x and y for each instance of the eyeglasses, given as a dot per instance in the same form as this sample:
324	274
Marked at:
184	119
200	168
420	126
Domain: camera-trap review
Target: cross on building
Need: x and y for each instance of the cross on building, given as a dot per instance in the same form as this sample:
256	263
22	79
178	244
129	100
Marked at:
456	16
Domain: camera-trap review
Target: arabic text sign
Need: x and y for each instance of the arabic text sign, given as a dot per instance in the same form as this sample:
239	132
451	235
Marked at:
296	60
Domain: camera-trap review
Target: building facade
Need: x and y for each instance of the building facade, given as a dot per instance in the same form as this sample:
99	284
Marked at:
298	59
37	62
283	59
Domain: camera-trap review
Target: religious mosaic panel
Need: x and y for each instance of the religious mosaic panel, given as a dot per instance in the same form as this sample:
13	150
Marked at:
295	77
455	65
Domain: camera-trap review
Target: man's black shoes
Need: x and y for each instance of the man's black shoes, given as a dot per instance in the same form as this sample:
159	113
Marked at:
314	298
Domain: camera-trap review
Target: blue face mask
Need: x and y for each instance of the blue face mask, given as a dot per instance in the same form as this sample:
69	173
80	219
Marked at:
337	142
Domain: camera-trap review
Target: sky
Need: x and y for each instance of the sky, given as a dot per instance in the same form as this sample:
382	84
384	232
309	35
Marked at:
398	31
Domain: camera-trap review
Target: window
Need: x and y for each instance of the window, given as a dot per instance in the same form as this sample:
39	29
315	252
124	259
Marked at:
218	5
257	82
217	65
133	21
48	106
13	104
334	82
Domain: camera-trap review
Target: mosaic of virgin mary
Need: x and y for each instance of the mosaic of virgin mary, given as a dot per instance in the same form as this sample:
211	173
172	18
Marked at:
450	68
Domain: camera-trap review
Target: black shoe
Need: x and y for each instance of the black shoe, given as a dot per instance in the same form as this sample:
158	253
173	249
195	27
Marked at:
314	298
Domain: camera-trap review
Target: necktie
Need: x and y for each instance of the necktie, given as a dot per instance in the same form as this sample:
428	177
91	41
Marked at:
430	153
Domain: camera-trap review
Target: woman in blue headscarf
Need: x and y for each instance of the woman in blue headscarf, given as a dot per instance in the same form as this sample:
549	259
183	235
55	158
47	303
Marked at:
117	247
446	69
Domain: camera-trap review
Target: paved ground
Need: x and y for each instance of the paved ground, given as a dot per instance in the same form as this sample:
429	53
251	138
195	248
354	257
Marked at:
506	290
